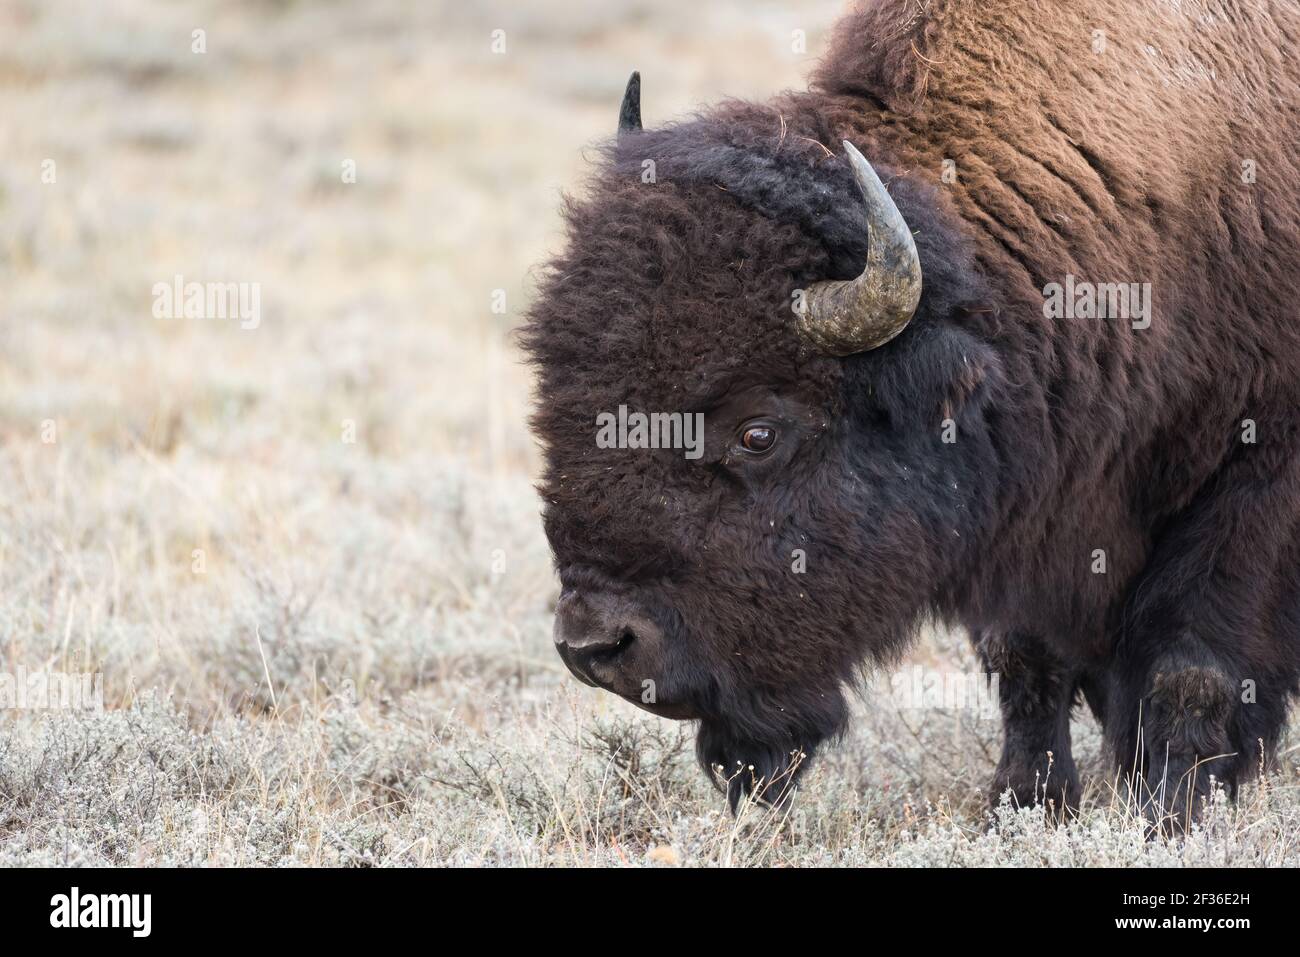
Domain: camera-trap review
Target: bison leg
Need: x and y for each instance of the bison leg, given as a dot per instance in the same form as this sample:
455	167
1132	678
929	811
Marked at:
1206	656
1180	738
1036	692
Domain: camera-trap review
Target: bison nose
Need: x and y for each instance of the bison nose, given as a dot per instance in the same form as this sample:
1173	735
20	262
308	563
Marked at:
602	638
593	657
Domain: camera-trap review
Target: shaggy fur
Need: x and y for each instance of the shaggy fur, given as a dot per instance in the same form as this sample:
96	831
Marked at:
1076	437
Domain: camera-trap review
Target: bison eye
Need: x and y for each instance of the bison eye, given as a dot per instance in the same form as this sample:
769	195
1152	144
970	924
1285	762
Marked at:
758	438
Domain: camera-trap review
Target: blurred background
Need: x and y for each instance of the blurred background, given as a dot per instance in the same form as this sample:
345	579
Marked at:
306	557
386	304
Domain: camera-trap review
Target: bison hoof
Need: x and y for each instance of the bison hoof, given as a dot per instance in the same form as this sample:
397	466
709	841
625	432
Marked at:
1172	804
1057	796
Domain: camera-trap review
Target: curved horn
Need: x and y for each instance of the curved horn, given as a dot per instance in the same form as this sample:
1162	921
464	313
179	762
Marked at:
629	114
842	317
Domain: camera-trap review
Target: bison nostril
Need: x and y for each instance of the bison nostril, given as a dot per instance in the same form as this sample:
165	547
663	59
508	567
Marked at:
613	651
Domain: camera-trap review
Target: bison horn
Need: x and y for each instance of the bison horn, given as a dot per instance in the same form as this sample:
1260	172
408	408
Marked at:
629	114
841	317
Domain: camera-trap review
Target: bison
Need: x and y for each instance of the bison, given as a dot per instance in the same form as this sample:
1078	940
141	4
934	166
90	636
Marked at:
995	324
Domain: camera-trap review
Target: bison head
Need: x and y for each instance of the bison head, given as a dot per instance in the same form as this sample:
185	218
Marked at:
737	273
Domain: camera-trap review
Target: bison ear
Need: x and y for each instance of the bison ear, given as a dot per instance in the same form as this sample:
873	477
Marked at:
943	372
978	361
629	114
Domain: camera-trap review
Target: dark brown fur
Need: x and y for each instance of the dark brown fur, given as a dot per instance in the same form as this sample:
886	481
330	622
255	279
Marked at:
1075	434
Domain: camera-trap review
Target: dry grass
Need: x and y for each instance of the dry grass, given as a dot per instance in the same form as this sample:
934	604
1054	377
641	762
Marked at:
361	673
